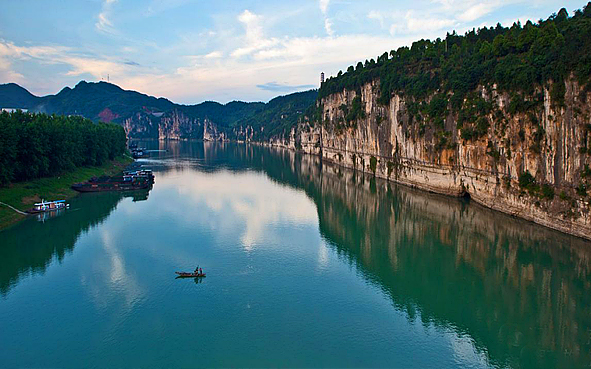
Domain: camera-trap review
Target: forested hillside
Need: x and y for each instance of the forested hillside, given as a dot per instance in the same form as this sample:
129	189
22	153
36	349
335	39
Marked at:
14	96
502	115
440	76
149	117
278	116
40	145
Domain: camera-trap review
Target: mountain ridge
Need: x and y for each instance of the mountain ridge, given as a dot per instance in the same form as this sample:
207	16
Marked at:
147	116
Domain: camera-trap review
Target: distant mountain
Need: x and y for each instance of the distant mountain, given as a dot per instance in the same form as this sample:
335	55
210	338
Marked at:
14	96
150	117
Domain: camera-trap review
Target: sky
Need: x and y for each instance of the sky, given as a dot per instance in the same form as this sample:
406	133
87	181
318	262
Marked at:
191	51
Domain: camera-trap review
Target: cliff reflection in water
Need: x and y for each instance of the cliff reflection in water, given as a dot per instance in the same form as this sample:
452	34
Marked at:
520	291
29	247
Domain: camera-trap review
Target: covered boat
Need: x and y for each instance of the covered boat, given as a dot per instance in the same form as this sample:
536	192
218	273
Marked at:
44	206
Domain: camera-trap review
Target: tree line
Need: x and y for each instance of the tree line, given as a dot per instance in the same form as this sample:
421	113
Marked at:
41	145
518	58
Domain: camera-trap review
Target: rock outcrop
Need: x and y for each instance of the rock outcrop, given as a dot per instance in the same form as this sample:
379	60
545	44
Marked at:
533	163
174	125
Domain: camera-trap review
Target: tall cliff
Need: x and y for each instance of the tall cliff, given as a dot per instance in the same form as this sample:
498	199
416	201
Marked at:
502	115
532	164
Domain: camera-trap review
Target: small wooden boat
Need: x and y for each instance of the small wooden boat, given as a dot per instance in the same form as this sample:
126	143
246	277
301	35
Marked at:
190	275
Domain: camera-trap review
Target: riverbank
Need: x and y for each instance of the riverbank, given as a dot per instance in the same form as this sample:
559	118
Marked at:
23	195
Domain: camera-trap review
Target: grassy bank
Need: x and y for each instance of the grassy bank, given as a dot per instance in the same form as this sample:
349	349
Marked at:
23	195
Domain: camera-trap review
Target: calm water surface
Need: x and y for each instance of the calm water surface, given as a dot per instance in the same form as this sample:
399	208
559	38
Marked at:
307	265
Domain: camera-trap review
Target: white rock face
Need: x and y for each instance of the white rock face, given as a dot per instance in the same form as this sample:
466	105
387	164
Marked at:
487	168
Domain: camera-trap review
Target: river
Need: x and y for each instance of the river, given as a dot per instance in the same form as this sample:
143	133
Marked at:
308	265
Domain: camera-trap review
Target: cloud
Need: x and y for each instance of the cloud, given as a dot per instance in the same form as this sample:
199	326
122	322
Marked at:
411	24
327	22
475	12
283	87
7	74
377	16
443	15
104	24
251	21
328	26
254	37
78	64
214	55
415	24
9	53
324	6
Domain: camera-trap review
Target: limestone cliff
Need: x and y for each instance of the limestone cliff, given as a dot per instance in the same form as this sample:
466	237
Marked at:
173	125
532	164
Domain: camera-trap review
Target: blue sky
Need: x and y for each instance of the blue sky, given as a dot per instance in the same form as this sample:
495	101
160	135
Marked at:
195	50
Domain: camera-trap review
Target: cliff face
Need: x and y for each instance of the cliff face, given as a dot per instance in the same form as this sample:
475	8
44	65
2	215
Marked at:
531	163
173	125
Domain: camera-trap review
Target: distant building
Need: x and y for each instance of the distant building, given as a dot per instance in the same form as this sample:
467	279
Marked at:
321	78
12	110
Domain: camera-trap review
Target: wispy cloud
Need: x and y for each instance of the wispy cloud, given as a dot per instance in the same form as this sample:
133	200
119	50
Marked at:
327	22
324	5
444	15
414	24
254	37
283	87
77	64
104	23
214	55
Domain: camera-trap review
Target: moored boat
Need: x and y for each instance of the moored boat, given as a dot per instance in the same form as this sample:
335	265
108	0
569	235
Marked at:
144	173
120	183
139	153
44	206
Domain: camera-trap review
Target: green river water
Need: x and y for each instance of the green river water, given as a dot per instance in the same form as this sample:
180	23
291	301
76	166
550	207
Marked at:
308	265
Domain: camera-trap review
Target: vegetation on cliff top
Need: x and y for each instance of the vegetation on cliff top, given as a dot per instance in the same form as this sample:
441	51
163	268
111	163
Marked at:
516	59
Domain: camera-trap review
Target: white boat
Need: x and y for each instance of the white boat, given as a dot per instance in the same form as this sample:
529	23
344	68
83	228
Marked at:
48	206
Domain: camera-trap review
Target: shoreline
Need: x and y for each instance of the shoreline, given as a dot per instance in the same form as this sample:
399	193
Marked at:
22	195
563	228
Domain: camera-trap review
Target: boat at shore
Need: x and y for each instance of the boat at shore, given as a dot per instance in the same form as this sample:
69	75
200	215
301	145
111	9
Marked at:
45	206
139	153
126	182
190	275
147	173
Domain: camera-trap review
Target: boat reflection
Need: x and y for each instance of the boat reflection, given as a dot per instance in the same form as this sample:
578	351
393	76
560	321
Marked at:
29	247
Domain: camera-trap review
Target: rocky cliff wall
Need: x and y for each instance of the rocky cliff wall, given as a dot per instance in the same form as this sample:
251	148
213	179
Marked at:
548	141
172	125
